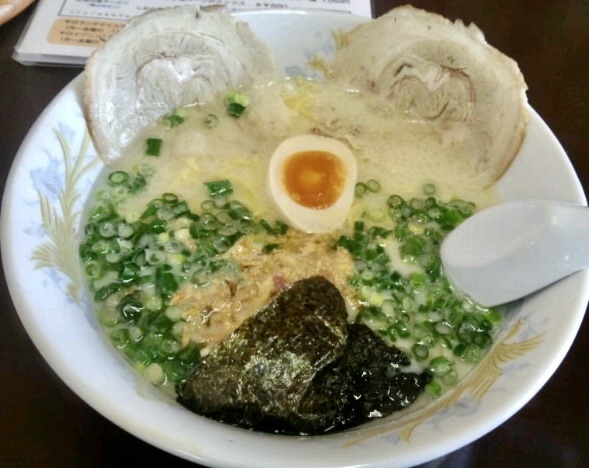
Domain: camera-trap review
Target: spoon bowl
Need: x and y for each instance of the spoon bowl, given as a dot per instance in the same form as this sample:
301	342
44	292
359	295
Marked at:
513	249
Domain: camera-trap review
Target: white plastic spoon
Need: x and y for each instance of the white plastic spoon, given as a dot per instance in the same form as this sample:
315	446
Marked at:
513	249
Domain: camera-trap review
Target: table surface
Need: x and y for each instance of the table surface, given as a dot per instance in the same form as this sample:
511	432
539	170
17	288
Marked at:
43	423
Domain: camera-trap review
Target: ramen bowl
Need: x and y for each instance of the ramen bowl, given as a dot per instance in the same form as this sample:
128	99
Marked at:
52	177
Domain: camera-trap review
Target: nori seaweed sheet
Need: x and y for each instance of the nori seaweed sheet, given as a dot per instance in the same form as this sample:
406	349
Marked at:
298	367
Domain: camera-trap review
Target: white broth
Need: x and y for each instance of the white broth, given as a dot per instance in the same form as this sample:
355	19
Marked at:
396	156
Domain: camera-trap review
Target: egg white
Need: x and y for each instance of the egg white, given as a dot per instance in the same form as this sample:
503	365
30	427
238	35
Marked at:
315	220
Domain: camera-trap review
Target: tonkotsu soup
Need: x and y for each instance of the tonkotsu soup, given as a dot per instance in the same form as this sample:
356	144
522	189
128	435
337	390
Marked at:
187	212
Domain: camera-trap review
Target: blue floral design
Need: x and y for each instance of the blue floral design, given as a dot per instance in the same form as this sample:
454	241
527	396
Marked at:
49	181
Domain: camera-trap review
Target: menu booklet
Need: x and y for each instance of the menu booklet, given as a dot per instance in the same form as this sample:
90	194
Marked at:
65	32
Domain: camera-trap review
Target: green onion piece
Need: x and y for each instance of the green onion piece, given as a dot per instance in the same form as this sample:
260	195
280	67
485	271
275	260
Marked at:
395	201
165	282
207	205
173	120
107	229
375	214
412	247
119	338
130	310
440	365
93	269
169	347
201	277
125	230
360	189
235	110
220	201
129	272
222	244
238	211
373	185
107	291
108	317
219	187
155	257
429	189
443	327
153	146
118	178
282	227
144	170
208	222
211	121
270	248
472	353
155	373
493	316
434	389
420	352
169	198
113	257
236	103
269	229
229	229
174	313
402	329
450	378
223	217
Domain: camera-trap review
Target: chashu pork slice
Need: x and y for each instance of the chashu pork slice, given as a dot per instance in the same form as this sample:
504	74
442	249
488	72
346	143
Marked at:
445	74
163	60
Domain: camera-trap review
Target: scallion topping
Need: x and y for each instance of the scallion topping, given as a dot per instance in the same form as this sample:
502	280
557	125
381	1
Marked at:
210	121
153	146
236	103
219	188
118	178
173	120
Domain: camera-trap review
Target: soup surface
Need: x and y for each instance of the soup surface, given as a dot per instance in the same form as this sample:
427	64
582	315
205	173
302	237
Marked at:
184	241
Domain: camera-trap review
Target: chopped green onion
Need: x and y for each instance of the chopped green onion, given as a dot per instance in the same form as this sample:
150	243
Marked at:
282	227
174	313
219	187
155	373
173	120
360	189
130	310
119	337
170	198
373	185
236	103
118	178
395	201
153	146
270	248
93	269
211	121
125	230
450	378
440	365
266	226
429	189
420	352
107	229
108	317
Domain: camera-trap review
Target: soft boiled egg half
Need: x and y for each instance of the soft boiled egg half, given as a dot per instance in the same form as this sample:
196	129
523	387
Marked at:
312	180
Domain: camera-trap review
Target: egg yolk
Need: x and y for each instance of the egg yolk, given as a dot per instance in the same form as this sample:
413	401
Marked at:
314	179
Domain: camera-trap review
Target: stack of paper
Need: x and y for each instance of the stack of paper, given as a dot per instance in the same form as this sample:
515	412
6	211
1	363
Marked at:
67	31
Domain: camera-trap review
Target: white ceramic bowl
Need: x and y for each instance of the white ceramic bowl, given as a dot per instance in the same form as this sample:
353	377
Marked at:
52	175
